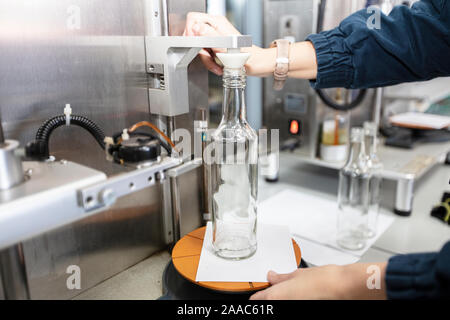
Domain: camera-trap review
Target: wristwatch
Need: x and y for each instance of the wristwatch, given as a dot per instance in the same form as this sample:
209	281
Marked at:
282	62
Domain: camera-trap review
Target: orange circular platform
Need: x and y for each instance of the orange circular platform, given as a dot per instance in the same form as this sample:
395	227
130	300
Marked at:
186	256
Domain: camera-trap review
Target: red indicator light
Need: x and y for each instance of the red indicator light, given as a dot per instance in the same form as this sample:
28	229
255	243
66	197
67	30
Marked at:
294	127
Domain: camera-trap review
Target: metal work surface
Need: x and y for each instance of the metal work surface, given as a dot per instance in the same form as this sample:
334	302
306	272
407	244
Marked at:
404	166
47	200
399	163
418	233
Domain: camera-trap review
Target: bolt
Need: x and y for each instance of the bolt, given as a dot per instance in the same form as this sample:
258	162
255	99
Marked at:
156	13
159	176
28	173
107	197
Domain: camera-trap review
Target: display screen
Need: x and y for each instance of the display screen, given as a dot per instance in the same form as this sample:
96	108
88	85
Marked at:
295	103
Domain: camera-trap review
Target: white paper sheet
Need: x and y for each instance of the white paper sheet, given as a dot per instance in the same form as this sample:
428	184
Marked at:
418	119
312	222
317	254
275	252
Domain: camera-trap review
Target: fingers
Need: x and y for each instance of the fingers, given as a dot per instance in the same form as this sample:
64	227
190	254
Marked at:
219	23
207	57
260	295
280	286
196	19
273	293
209	62
275	278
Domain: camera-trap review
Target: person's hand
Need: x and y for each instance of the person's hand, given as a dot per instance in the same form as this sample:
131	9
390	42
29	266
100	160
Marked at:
261	61
202	24
327	282
307	283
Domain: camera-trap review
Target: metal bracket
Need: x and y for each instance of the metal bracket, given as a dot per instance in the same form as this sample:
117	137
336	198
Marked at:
176	194
168	58
105	193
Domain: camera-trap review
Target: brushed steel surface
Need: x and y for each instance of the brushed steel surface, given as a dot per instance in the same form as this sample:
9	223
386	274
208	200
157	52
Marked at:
190	183
106	192
48	199
101	246
177	10
274	115
190	203
13	273
90	54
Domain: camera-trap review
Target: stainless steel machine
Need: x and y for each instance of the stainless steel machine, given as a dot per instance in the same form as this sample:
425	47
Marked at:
299	107
116	63
297	101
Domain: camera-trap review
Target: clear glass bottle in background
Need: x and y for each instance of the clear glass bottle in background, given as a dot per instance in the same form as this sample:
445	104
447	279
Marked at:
235	167
375	167
353	195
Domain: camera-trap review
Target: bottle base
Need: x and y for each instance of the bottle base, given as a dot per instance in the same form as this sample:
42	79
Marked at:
368	233
239	254
351	244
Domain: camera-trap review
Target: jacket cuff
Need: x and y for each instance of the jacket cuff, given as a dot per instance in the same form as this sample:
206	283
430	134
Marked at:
411	276
334	61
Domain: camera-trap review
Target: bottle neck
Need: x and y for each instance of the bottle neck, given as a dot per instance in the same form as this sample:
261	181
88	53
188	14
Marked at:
371	145
356	150
234	108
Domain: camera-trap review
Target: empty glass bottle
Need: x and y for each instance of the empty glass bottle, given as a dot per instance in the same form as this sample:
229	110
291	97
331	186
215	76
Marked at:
235	168
353	195
375	167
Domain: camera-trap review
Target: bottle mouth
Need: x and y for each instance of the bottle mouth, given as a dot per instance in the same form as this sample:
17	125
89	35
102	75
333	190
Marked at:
234	78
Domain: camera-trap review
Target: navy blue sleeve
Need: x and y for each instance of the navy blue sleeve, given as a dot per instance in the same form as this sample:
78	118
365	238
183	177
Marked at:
419	276
411	44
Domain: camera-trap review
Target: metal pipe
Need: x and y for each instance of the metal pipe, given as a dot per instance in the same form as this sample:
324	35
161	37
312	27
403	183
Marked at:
378	104
404	197
175	209
205	169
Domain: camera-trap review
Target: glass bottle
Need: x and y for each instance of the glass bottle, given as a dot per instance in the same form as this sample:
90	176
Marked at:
353	195
375	168
235	168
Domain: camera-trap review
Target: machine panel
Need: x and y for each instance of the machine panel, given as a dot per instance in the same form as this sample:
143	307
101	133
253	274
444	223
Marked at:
90	54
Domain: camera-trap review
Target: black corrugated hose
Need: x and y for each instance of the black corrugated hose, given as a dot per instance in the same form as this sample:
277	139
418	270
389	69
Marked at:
39	148
321	93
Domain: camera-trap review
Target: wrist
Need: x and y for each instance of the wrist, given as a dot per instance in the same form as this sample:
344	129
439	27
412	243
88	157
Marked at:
303	61
334	279
353	283
261	62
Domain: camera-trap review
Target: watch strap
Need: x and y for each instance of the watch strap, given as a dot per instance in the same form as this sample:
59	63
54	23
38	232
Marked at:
282	63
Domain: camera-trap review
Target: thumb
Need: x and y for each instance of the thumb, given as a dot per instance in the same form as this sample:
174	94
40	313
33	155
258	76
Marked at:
275	278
